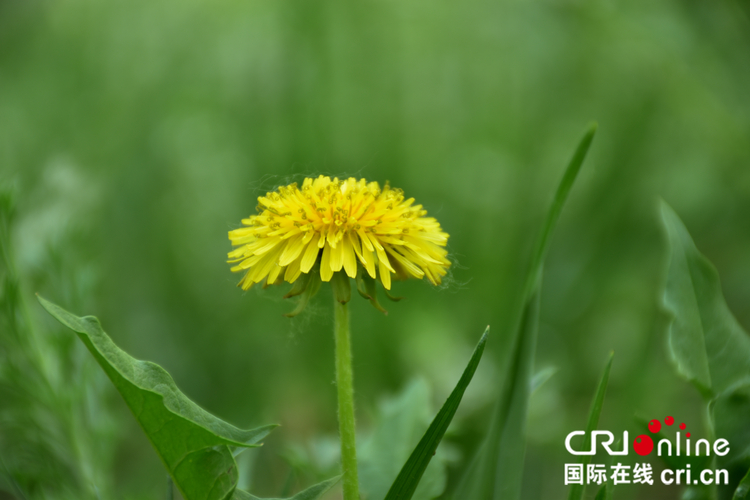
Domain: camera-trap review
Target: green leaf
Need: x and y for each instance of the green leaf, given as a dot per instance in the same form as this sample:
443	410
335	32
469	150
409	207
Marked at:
706	343
497	470
401	422
195	447
744	487
729	414
311	493
411	473
576	490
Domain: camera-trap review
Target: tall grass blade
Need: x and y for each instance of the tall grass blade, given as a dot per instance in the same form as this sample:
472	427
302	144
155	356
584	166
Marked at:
576	490
498	470
411	473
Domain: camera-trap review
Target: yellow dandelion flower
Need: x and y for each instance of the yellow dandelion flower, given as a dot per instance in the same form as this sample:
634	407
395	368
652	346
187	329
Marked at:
342	224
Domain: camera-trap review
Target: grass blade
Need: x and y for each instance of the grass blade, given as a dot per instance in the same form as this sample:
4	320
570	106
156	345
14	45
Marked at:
533	279
497	471
576	490
407	480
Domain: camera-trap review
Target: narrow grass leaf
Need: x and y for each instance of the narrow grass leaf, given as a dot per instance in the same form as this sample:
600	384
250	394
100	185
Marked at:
608	488
311	493
553	214
497	471
195	446
400	423
576	490
411	473
706	343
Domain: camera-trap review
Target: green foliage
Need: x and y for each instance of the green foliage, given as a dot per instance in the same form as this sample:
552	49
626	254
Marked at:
498	469
312	493
708	347
408	479
707	344
743	488
56	434
400	424
576	490
195	447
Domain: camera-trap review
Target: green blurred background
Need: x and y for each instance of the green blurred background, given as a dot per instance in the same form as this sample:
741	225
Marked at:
137	133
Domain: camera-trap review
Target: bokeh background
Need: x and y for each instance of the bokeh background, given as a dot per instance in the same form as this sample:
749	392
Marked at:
136	133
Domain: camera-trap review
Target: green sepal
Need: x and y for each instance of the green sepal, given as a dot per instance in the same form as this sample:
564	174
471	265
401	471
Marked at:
312	287
361	287
342	289
371	288
391	297
299	286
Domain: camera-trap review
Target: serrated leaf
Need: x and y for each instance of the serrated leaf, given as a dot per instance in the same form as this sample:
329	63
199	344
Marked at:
400	424
576	490
497	470
406	482
706	343
311	493
195	446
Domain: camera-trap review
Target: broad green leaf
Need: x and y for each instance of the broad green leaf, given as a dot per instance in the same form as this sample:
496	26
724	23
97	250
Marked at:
408	479
729	413
497	470
706	343
401	421
195	447
311	493
576	490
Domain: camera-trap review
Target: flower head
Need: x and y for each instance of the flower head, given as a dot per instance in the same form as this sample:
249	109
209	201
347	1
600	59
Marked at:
348	225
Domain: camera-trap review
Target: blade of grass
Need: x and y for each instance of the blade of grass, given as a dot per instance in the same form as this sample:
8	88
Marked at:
411	473
497	471
608	488
576	490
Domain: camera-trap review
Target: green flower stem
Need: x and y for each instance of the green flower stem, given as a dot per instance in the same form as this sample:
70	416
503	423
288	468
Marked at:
345	389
